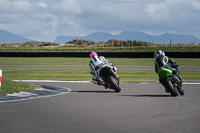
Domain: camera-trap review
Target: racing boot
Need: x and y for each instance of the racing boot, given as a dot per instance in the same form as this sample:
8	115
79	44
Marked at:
102	83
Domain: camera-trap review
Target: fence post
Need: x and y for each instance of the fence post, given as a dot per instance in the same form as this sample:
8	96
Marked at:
182	43
153	43
132	43
112	44
170	42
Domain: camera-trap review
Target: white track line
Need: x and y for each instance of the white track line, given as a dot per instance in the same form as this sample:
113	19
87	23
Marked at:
28	95
191	83
53	81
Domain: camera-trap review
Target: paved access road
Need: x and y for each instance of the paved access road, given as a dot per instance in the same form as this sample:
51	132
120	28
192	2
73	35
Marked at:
138	108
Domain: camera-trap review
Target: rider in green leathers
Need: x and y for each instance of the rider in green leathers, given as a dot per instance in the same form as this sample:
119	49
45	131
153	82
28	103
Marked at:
163	61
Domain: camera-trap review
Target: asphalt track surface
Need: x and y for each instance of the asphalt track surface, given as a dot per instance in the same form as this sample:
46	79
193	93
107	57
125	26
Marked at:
88	108
87	67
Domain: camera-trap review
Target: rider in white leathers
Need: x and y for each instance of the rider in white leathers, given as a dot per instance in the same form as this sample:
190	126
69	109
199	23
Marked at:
96	62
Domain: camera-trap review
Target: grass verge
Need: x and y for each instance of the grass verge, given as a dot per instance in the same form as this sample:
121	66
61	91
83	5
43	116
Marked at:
84	75
9	87
107	48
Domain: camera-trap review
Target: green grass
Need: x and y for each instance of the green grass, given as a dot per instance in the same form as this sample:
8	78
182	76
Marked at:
47	74
43	61
151	76
84	75
85	61
107	48
150	61
9	87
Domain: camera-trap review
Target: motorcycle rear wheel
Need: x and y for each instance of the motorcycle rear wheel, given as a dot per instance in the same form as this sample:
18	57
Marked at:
113	84
170	87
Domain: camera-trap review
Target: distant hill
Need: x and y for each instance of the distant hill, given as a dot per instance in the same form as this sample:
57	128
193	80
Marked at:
8	37
134	35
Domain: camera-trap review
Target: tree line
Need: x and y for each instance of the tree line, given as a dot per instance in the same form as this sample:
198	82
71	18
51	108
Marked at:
111	42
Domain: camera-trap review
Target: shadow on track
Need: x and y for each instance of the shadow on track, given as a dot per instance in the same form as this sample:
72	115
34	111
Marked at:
148	95
95	91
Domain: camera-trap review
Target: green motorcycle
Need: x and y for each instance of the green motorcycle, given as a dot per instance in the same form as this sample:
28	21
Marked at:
171	82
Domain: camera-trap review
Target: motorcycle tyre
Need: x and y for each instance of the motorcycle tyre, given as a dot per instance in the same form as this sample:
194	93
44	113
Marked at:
181	91
113	84
170	87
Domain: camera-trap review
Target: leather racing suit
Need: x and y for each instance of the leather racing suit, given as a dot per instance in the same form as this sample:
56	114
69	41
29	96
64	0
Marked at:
95	65
164	61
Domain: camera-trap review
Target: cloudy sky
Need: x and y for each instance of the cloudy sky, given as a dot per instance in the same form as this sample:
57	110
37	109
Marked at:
44	20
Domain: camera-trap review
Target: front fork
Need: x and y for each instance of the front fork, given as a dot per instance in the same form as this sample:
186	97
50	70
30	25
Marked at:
177	80
115	74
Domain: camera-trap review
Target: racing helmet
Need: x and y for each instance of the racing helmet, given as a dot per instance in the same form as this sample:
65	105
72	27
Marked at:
93	54
158	53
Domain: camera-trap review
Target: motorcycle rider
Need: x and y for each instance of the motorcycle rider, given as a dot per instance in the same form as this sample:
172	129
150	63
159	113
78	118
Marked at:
163	61
95	64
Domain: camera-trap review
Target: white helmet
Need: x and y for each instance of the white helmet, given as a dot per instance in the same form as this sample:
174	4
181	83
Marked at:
158	53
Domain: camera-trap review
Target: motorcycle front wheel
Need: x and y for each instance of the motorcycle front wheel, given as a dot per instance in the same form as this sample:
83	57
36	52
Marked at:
180	90
170	87
113	84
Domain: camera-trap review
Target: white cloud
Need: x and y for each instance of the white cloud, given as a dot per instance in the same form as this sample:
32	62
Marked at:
15	6
157	12
4	4
45	19
43	5
67	7
195	5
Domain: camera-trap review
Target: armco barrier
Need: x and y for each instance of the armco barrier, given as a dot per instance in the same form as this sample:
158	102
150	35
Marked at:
190	54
